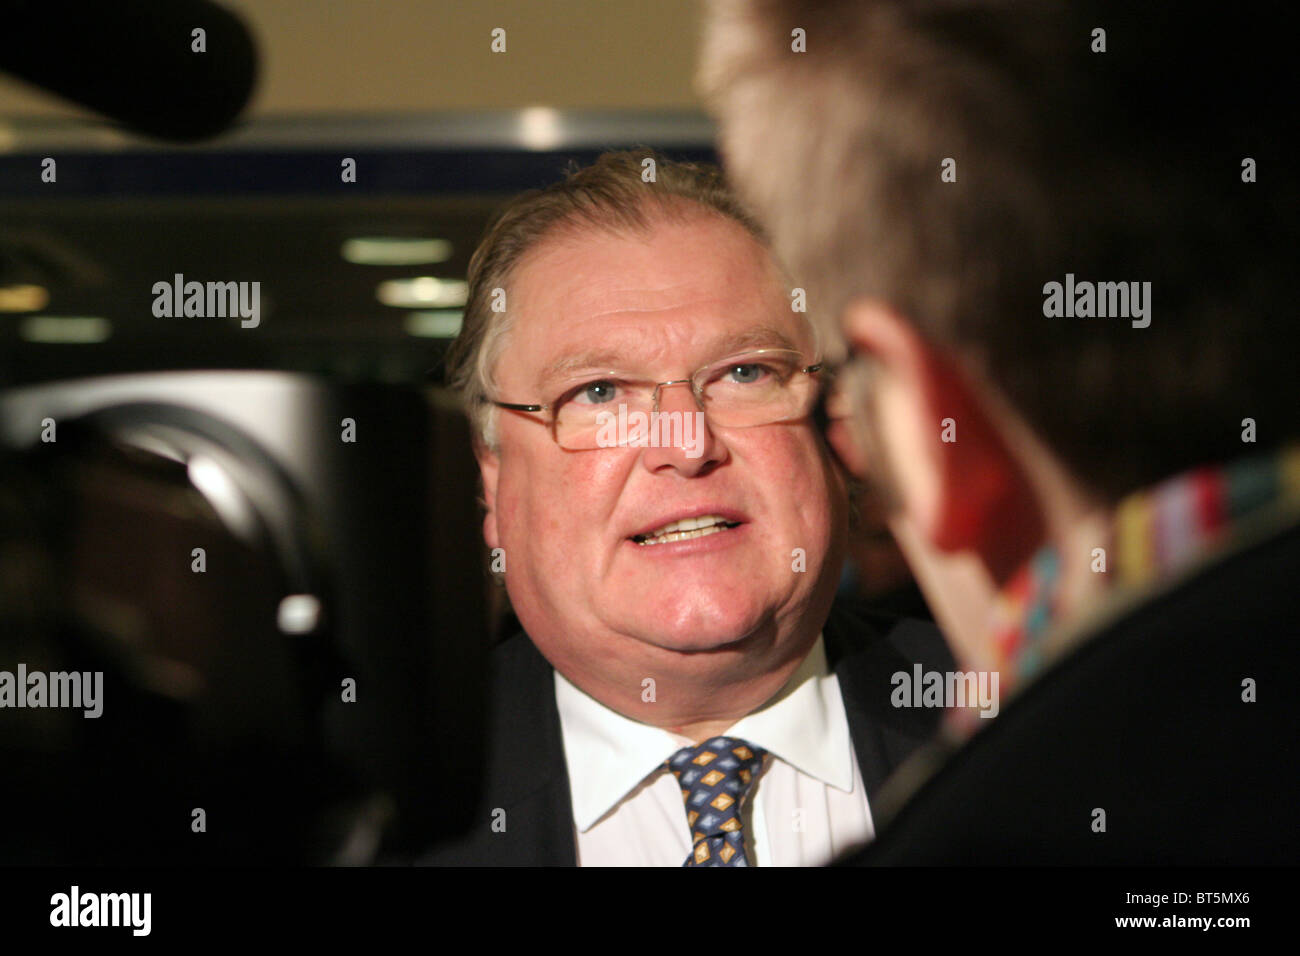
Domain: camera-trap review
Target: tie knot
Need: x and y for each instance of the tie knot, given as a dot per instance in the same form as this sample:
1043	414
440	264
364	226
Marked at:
715	777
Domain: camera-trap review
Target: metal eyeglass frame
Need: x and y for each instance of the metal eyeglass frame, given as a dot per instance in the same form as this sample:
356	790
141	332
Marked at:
696	390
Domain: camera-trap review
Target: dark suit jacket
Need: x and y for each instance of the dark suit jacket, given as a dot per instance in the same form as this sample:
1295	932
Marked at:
1146	721
527	776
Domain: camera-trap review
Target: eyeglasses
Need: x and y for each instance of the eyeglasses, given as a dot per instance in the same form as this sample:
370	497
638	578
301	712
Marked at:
758	387
848	383
844	414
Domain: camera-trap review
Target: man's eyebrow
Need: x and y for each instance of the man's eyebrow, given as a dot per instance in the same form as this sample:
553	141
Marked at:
606	359
759	337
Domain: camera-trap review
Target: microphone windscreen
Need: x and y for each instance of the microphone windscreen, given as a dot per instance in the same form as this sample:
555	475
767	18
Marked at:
139	62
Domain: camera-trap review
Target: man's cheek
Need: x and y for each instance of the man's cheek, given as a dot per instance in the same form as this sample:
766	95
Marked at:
515	527
538	528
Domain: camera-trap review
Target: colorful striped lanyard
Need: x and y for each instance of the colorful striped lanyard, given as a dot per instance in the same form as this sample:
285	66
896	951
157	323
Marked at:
1155	533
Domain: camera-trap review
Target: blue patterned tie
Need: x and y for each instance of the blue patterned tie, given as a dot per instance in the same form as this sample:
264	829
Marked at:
715	777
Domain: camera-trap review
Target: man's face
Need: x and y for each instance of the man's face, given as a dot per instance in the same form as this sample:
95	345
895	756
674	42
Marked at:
662	304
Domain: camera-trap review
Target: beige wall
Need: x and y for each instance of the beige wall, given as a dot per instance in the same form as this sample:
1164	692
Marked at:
400	55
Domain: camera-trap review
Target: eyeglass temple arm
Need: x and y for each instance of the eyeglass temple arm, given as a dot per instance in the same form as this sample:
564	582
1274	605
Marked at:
685	381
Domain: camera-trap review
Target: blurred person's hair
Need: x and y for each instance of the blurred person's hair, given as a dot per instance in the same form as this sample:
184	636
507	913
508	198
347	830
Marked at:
608	195
1123	165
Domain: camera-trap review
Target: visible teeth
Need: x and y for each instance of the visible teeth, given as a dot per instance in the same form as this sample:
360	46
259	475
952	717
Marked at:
682	535
685	528
689	524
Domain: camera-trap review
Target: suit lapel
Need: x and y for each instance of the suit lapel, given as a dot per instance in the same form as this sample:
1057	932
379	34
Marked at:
529	776
864	653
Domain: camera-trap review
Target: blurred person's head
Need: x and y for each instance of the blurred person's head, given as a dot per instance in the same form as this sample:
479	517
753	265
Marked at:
927	169
609	278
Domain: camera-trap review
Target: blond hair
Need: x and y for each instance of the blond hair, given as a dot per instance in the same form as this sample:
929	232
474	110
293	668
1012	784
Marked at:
614	193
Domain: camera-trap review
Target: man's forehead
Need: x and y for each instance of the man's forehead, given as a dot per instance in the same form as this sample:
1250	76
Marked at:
702	284
621	350
597	269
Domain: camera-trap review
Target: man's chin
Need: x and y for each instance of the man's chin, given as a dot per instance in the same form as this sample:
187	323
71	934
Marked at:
701	636
697	645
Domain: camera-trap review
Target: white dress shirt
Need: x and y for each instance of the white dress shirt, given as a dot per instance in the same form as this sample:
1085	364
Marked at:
808	806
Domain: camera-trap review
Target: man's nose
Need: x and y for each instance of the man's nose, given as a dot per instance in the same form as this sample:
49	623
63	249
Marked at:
681	439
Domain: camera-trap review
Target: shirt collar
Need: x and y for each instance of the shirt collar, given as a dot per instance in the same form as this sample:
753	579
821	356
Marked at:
609	755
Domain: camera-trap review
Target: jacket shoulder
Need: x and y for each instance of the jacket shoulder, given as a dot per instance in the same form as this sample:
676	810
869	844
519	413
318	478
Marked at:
1147	720
863	639
524	816
866	649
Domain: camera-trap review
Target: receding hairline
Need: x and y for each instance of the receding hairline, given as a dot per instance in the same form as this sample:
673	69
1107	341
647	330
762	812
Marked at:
613	195
658	211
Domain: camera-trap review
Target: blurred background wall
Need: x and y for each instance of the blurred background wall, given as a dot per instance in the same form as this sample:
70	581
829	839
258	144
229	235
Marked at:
361	56
442	130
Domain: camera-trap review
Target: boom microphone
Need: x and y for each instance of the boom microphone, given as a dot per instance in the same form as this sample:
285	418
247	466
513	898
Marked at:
139	62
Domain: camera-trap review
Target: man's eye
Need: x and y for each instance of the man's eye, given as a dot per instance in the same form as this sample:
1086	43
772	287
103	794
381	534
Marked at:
746	374
594	393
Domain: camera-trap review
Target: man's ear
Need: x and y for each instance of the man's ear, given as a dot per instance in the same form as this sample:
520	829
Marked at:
489	467
957	480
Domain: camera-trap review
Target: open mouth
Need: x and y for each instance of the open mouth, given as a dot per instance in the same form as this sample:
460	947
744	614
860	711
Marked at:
685	529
